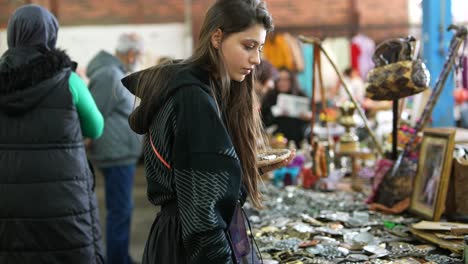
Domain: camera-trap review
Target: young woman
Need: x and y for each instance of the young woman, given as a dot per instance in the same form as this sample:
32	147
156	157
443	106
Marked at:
48	206
202	135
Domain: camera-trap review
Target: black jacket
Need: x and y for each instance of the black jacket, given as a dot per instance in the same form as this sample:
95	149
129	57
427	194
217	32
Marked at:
48	208
292	128
205	175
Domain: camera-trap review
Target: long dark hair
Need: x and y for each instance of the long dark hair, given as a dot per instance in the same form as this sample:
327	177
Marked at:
242	120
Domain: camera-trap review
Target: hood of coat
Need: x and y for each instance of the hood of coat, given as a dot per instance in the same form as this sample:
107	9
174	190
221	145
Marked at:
27	75
179	74
102	60
32	26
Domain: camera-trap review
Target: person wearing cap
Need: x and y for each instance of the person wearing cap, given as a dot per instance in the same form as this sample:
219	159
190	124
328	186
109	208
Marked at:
116	153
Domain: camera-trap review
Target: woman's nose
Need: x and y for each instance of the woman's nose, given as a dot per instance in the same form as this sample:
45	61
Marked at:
255	58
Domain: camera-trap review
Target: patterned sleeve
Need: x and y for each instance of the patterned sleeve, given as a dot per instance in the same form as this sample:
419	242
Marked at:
208	176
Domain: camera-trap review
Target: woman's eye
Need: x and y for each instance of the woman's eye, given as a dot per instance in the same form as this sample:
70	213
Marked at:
249	47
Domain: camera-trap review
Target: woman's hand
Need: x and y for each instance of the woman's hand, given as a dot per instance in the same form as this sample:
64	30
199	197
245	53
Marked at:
267	168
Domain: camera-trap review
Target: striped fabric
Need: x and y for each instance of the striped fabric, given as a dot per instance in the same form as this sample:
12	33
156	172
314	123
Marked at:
158	175
205	176
230	152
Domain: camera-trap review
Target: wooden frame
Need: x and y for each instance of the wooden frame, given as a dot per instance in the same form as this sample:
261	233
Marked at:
434	167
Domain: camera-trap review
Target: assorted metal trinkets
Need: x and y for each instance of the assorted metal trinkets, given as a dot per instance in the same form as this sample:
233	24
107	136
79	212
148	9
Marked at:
304	226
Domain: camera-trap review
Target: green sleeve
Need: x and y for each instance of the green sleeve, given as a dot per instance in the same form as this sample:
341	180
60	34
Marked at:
91	120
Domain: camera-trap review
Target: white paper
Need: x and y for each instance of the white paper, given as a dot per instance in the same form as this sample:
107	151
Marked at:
291	105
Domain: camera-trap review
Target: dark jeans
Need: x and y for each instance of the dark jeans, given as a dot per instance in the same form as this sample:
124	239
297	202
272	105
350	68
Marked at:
119	204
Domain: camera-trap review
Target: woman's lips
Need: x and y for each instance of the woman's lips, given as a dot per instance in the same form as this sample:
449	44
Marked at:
246	71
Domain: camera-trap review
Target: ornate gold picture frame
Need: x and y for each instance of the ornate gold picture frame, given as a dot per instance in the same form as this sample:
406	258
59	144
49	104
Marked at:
433	175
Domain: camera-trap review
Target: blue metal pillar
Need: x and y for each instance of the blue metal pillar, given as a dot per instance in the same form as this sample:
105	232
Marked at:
437	16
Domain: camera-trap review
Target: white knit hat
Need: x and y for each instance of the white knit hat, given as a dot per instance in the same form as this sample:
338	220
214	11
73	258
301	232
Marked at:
129	41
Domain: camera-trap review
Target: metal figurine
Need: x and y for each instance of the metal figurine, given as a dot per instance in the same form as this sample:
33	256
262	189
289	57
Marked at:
349	141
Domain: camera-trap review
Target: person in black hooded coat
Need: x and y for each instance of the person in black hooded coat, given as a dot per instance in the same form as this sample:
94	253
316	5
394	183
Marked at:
202	139
48	208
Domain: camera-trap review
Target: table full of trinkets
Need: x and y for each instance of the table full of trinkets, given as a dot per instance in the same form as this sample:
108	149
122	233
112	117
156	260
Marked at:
307	226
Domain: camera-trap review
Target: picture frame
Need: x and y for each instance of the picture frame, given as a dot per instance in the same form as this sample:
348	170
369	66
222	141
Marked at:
431	182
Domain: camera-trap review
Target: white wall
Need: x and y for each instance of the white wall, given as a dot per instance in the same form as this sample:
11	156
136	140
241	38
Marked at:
83	42
459	11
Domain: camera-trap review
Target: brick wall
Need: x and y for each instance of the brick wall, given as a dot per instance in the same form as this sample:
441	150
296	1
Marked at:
383	19
105	12
379	19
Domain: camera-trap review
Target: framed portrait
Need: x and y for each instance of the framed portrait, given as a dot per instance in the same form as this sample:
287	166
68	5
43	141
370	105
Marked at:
432	178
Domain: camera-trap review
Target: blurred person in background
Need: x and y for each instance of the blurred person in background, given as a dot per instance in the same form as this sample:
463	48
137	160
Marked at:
461	102
265	77
357	88
355	84
293	128
49	211
116	153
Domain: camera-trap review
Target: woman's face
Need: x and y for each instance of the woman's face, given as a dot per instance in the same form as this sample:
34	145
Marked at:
241	51
284	82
